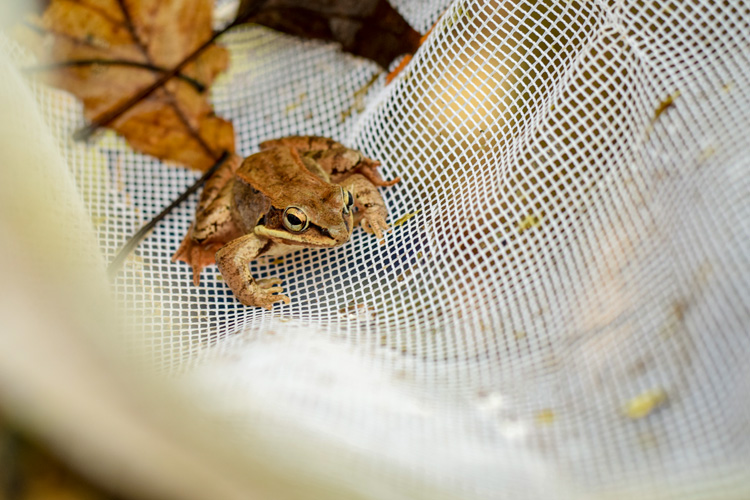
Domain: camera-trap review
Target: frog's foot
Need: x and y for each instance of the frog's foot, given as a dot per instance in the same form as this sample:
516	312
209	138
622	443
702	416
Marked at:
373	222
195	255
263	293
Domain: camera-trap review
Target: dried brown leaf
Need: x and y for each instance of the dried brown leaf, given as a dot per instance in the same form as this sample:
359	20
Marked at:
126	38
367	28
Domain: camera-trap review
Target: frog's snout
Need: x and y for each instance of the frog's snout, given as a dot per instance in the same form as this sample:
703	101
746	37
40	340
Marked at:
339	234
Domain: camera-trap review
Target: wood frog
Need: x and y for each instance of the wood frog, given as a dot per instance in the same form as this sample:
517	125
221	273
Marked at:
297	192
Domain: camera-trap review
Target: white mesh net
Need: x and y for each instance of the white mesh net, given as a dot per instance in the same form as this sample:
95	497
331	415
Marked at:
563	305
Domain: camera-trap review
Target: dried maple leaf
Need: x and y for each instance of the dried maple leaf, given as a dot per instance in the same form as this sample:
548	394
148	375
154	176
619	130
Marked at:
105	51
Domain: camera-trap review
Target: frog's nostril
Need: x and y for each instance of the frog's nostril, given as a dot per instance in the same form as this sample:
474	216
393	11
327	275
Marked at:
338	234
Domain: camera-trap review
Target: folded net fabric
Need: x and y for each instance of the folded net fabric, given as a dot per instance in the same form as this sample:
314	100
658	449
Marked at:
563	306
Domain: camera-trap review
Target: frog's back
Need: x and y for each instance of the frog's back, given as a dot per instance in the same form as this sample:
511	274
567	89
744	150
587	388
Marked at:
280	174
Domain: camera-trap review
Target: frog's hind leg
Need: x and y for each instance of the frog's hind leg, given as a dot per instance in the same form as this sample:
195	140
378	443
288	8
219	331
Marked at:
195	255
323	156
214	185
302	143
212	227
194	250
342	162
368	169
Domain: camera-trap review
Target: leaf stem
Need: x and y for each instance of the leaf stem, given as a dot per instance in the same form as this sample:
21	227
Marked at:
114	62
108	117
134	240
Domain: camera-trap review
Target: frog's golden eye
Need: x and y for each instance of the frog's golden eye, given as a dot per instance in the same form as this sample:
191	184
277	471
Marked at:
348	199
295	219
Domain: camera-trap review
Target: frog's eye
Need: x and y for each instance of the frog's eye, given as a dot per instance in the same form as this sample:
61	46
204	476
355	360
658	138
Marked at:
295	219
349	200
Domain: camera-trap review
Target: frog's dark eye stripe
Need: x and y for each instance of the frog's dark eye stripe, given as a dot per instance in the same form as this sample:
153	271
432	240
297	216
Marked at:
348	199
295	219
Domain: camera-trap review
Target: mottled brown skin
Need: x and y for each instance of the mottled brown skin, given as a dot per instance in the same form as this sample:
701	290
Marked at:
250	208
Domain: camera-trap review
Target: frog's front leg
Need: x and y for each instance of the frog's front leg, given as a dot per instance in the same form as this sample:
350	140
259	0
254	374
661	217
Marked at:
372	212
233	260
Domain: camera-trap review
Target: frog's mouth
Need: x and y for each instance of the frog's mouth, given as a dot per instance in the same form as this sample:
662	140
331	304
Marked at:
311	237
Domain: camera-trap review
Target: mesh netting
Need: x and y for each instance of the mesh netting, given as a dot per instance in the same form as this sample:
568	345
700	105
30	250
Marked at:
563	303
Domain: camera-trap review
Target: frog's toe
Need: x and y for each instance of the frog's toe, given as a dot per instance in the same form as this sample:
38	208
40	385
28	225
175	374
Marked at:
273	296
269	292
375	225
267	298
270	283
